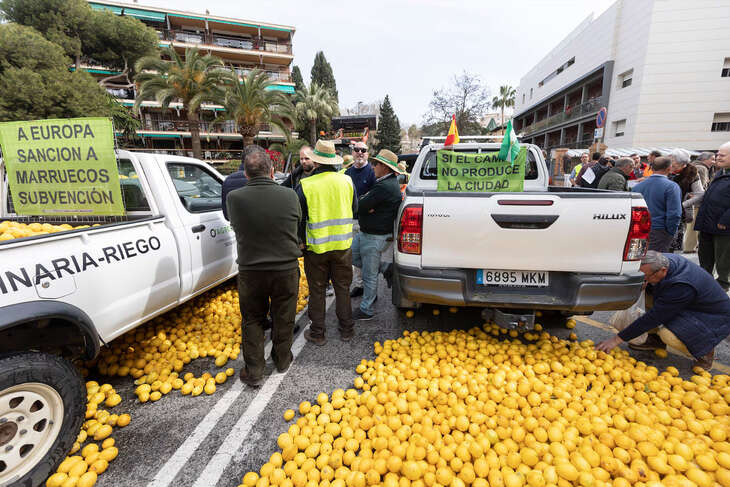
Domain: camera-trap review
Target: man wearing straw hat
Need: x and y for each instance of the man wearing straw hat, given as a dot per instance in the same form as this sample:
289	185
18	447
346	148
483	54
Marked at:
377	210
328	202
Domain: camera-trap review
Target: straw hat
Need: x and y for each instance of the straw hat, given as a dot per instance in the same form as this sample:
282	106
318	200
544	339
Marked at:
389	159
324	153
403	167
347	160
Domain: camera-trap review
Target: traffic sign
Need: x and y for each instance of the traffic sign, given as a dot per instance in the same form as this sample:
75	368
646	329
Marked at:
601	118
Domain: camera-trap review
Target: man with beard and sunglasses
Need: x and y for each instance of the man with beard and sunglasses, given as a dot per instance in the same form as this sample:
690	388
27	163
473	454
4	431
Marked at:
363	177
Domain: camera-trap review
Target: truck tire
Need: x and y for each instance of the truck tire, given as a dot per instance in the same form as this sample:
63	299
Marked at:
42	404
398	300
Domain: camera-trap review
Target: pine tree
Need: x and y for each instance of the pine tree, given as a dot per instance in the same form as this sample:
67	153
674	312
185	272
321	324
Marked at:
388	128
322	74
296	77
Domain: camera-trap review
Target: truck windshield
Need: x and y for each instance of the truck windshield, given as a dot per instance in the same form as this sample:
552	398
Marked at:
429	169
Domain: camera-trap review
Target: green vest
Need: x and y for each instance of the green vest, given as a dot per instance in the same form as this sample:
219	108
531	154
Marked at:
329	202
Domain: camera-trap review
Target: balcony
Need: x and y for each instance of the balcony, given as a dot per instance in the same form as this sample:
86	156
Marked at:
226	41
158	125
579	111
282	76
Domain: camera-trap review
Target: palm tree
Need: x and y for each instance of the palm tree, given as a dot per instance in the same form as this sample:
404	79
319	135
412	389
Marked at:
194	80
313	103
505	99
251	104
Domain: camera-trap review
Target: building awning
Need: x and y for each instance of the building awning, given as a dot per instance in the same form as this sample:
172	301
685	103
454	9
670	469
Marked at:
145	14
109	8
284	88
627	151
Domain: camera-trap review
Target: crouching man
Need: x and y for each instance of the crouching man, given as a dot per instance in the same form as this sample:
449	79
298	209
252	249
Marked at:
687	301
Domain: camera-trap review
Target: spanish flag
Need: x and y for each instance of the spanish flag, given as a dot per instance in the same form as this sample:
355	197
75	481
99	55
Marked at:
453	136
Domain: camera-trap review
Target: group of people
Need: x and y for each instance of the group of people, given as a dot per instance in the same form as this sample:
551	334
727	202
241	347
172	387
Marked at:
334	217
685	297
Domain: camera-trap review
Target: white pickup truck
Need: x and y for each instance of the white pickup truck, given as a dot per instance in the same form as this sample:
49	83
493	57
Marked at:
561	250
64	294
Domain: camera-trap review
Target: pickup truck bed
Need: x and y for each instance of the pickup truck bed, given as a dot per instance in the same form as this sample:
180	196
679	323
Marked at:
565	249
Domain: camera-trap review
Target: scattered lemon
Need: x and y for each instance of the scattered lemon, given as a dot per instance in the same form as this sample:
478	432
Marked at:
288	415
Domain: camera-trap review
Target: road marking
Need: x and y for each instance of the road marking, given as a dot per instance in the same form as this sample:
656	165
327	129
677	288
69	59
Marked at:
725	369
180	458
237	436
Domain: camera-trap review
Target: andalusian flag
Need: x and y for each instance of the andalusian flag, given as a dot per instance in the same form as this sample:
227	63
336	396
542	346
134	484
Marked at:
453	136
510	146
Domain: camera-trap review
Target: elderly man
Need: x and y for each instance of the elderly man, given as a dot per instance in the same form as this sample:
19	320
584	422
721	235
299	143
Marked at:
377	210
576	170
328	204
713	221
664	199
304	169
265	218
616	178
687	301
705	168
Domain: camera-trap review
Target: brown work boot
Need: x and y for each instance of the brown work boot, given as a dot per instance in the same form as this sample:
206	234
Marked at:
346	335
248	380
651	343
319	341
705	361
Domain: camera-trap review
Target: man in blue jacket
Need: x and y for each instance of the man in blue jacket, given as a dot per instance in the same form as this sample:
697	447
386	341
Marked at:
664	199
713	221
687	300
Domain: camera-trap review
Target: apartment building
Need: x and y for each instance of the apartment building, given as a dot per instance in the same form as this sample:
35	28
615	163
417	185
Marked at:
660	67
241	44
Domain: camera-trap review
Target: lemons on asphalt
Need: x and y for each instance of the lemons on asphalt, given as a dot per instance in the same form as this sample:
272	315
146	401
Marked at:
482	408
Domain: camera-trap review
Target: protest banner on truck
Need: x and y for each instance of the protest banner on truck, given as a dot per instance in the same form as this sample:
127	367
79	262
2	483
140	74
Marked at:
485	172
62	167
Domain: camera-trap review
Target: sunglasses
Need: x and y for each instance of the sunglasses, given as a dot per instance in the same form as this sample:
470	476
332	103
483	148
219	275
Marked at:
359	149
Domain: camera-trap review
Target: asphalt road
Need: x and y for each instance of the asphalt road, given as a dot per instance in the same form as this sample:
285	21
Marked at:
207	441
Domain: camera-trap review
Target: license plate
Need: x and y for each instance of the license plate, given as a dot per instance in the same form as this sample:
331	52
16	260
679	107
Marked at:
496	277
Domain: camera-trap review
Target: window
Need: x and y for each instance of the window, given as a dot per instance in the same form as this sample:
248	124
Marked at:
625	79
199	190
721	122
726	68
523	98
619	127
429	168
530	93
559	70
132	193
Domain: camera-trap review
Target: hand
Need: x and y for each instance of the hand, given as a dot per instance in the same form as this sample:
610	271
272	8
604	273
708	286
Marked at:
372	210
721	226
610	344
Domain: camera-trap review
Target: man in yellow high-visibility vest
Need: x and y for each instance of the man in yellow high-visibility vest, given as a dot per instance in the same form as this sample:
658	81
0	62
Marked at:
328	202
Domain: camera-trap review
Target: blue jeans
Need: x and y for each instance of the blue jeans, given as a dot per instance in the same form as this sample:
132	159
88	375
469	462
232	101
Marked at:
366	250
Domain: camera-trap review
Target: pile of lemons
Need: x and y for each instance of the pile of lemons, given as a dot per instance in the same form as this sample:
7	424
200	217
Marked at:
83	469
10	230
155	354
466	408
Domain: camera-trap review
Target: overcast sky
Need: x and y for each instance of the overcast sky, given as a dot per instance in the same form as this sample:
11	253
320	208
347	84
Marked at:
408	48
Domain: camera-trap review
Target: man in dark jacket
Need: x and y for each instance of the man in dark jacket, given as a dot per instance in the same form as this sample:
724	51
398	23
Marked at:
303	169
377	211
579	180
360	171
237	179
616	178
713	221
687	301
266	217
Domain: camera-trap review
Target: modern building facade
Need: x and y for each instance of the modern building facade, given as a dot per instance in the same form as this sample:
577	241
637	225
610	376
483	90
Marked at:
243	45
660	67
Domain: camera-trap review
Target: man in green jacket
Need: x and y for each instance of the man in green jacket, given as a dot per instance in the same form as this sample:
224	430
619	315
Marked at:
616	179
377	210
266	217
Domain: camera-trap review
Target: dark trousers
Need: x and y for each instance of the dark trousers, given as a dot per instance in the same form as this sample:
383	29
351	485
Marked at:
335	266
255	289
714	255
660	240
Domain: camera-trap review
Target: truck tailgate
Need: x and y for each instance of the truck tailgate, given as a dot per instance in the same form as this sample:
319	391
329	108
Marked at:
525	231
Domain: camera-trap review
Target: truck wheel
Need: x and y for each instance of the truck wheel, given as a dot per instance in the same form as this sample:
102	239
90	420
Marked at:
42	404
398	300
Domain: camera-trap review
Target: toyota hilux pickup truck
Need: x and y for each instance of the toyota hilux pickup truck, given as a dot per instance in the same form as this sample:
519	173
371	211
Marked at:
64	294
563	251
